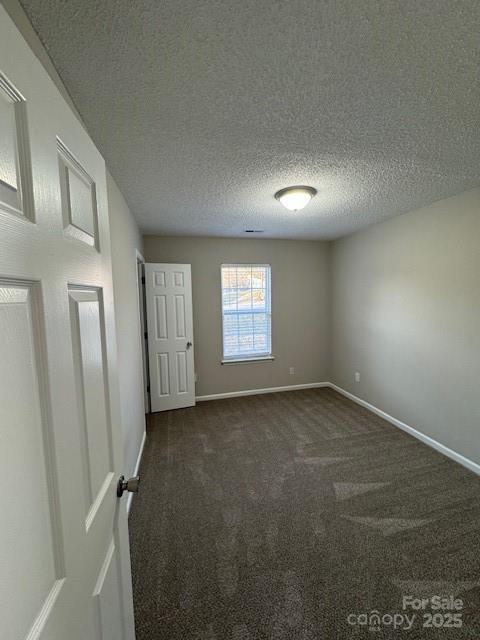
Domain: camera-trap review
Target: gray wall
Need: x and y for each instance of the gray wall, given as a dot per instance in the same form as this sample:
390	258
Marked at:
406	315
125	240
299	308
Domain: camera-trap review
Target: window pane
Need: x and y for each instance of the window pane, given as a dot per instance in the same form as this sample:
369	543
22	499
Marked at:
261	323
244	277
260	343
229	278
261	332
258	298
230	334
245	323
245	333
258	277
244	299
229	299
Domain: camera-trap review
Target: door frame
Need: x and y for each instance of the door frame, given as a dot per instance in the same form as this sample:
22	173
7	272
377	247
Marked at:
142	314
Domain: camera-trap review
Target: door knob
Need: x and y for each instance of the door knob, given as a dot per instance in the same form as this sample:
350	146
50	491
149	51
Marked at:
130	485
189	344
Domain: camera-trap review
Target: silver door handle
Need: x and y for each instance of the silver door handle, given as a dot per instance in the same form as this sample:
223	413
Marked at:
189	344
130	485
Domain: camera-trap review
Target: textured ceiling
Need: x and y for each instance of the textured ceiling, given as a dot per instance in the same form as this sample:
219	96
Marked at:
204	108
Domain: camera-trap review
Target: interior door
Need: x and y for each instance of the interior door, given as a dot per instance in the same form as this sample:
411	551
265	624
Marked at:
170	335
64	556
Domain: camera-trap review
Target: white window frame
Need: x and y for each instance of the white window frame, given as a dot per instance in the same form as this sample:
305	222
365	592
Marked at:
254	357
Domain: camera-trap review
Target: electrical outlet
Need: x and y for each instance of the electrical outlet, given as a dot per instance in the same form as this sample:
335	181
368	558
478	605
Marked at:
357	376
291	371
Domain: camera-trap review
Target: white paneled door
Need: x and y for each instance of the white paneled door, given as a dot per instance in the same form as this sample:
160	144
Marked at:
64	556
168	290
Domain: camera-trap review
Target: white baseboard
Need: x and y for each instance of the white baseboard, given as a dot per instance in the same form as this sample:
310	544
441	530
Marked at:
469	464
255	392
137	467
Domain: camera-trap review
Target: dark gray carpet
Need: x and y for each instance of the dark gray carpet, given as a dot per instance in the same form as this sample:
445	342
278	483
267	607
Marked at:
288	516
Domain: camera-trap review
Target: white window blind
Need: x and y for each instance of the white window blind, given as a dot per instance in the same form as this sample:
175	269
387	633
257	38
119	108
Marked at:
246	309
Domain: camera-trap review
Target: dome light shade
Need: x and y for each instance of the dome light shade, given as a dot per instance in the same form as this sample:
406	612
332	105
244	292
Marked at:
295	198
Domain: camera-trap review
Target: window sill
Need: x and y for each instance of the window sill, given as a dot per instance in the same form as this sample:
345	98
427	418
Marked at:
247	360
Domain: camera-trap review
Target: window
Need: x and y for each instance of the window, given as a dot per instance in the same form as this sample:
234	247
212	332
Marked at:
246	311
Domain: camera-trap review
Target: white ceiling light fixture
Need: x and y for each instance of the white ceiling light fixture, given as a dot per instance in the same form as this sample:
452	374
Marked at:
295	198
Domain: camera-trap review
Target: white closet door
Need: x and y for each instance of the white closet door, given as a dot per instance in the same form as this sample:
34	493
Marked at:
170	335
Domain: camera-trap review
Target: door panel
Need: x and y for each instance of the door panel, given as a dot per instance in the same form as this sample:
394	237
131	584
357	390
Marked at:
9	182
60	449
15	171
79	199
28	510
180	316
161	317
92	396
178	279
159	278
163	372
182	381
107	597
170	335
